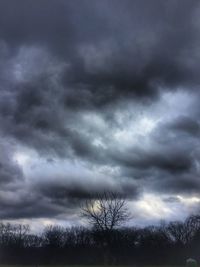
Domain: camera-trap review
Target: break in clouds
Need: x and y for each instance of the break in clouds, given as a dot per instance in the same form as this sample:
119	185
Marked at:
95	96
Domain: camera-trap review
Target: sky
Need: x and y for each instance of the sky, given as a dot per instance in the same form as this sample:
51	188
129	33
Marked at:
99	96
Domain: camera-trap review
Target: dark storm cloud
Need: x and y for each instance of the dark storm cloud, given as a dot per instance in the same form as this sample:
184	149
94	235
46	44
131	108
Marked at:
58	190
171	162
36	117
62	60
56	197
182	185
28	205
186	125
111	47
141	57
165	159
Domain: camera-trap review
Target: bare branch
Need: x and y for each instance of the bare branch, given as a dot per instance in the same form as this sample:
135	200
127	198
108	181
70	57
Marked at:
106	211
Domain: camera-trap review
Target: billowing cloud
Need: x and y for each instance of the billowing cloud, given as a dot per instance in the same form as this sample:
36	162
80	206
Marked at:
98	96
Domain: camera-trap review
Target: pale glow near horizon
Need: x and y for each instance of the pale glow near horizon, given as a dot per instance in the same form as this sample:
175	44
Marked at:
154	206
189	200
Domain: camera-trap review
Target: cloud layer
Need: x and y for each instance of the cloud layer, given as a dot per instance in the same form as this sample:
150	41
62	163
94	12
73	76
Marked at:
95	96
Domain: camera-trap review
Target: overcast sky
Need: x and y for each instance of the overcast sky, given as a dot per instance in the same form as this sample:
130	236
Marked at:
94	96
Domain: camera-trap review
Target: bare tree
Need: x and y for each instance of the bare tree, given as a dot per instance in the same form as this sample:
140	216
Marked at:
106	211
54	236
184	232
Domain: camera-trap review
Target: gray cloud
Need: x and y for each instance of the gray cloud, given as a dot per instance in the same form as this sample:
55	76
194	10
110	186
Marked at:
113	87
10	172
186	125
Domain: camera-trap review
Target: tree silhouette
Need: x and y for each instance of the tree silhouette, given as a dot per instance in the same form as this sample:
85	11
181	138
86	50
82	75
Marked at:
106	211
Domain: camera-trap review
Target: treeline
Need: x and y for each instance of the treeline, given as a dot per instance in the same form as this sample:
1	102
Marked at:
170	243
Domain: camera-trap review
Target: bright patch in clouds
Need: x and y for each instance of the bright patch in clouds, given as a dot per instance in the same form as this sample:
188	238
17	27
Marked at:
21	158
189	200
136	128
145	126
153	207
